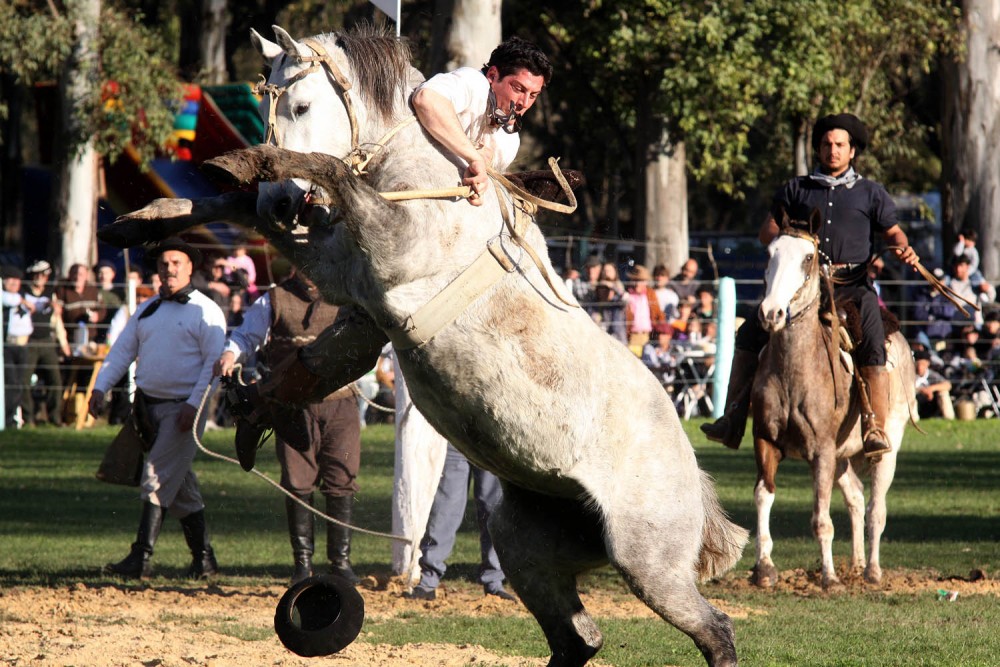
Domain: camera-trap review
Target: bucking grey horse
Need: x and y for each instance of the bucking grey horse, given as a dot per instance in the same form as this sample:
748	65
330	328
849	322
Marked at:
595	465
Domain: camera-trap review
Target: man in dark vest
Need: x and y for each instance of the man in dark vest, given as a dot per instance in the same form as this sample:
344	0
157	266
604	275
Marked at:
323	446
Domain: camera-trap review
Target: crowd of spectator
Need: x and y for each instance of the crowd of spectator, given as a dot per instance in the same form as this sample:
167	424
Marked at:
958	351
669	323
54	328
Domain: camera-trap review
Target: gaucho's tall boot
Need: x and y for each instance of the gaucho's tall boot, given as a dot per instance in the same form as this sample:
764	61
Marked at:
300	531
338	538
138	564
876	441
729	428
203	563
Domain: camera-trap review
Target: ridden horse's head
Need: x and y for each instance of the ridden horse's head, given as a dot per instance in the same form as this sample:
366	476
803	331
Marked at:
792	277
328	94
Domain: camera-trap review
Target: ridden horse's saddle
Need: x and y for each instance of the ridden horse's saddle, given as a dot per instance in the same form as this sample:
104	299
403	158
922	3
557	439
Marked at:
850	327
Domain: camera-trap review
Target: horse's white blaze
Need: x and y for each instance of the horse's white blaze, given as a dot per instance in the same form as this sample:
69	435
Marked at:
786	273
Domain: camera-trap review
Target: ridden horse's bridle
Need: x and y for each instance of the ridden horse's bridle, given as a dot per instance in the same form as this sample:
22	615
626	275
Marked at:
790	319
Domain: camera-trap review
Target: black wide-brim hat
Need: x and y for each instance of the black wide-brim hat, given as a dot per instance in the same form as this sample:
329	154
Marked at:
176	244
320	615
842	121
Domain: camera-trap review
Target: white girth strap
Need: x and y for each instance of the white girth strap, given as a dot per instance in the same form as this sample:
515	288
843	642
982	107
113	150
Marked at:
491	265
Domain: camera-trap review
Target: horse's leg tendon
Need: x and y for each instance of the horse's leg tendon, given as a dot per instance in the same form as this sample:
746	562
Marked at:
659	573
543	544
854	498
823	469
767	455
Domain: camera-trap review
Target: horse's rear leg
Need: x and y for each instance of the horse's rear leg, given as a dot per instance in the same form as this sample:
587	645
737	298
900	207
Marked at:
882	476
768	456
854	498
661	572
543	544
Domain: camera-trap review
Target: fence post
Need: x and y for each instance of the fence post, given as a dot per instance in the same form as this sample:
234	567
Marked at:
725	344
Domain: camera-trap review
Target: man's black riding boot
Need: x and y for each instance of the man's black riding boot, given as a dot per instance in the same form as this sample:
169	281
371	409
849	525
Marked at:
338	538
137	564
300	531
203	563
729	428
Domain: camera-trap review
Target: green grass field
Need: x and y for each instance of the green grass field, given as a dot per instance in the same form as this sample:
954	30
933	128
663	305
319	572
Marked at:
58	525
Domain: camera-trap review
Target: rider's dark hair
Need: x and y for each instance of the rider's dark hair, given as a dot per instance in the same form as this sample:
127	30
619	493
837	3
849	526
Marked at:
516	54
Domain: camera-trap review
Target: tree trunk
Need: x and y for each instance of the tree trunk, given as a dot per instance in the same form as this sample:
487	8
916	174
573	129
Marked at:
10	163
475	31
972	135
666	211
802	147
77	167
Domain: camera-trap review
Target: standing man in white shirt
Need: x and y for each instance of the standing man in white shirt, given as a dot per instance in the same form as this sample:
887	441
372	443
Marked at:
175	340
17	328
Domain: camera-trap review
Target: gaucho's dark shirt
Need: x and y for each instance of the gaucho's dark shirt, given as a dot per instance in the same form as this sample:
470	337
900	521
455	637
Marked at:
850	216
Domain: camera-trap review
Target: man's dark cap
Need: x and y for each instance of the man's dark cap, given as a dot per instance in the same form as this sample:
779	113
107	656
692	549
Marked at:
921	354
176	244
842	121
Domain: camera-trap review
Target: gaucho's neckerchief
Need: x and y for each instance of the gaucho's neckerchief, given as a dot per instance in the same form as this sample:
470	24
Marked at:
183	295
849	178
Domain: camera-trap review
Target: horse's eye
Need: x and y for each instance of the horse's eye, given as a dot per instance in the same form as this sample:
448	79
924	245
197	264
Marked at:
809	258
301	109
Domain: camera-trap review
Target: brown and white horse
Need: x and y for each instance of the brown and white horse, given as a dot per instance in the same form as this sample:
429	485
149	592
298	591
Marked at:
806	405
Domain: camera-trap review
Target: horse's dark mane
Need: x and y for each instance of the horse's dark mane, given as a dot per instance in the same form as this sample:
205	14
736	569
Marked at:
381	64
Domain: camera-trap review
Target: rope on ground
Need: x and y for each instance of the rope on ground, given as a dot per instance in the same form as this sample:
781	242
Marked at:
322	515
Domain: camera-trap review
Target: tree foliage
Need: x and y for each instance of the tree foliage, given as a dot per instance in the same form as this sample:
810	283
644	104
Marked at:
740	82
138	93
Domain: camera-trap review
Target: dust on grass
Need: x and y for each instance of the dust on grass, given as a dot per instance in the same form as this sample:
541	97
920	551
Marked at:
179	624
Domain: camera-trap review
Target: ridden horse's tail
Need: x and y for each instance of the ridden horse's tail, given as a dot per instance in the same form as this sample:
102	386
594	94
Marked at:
722	541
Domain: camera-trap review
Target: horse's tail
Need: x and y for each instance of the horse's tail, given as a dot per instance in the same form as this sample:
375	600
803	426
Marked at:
722	541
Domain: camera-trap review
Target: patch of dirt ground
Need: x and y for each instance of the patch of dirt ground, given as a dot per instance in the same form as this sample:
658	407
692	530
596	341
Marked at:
215	625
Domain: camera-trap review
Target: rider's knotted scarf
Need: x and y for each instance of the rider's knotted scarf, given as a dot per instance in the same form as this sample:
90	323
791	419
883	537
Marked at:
183	295
849	178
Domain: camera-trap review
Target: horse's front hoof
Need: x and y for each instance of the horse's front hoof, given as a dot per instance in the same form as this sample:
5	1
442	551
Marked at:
873	575
764	575
832	584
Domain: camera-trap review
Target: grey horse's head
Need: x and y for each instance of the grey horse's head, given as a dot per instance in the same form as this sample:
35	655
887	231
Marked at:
305	104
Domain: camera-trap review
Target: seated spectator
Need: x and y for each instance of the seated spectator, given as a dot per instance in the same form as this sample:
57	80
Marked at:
988	345
236	310
609	312
684	317
584	289
665	295
609	277
240	261
17	330
705	308
977	291
933	390
659	356
571	276
112	296
966	246
685	283
642	311
934	312
82	305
